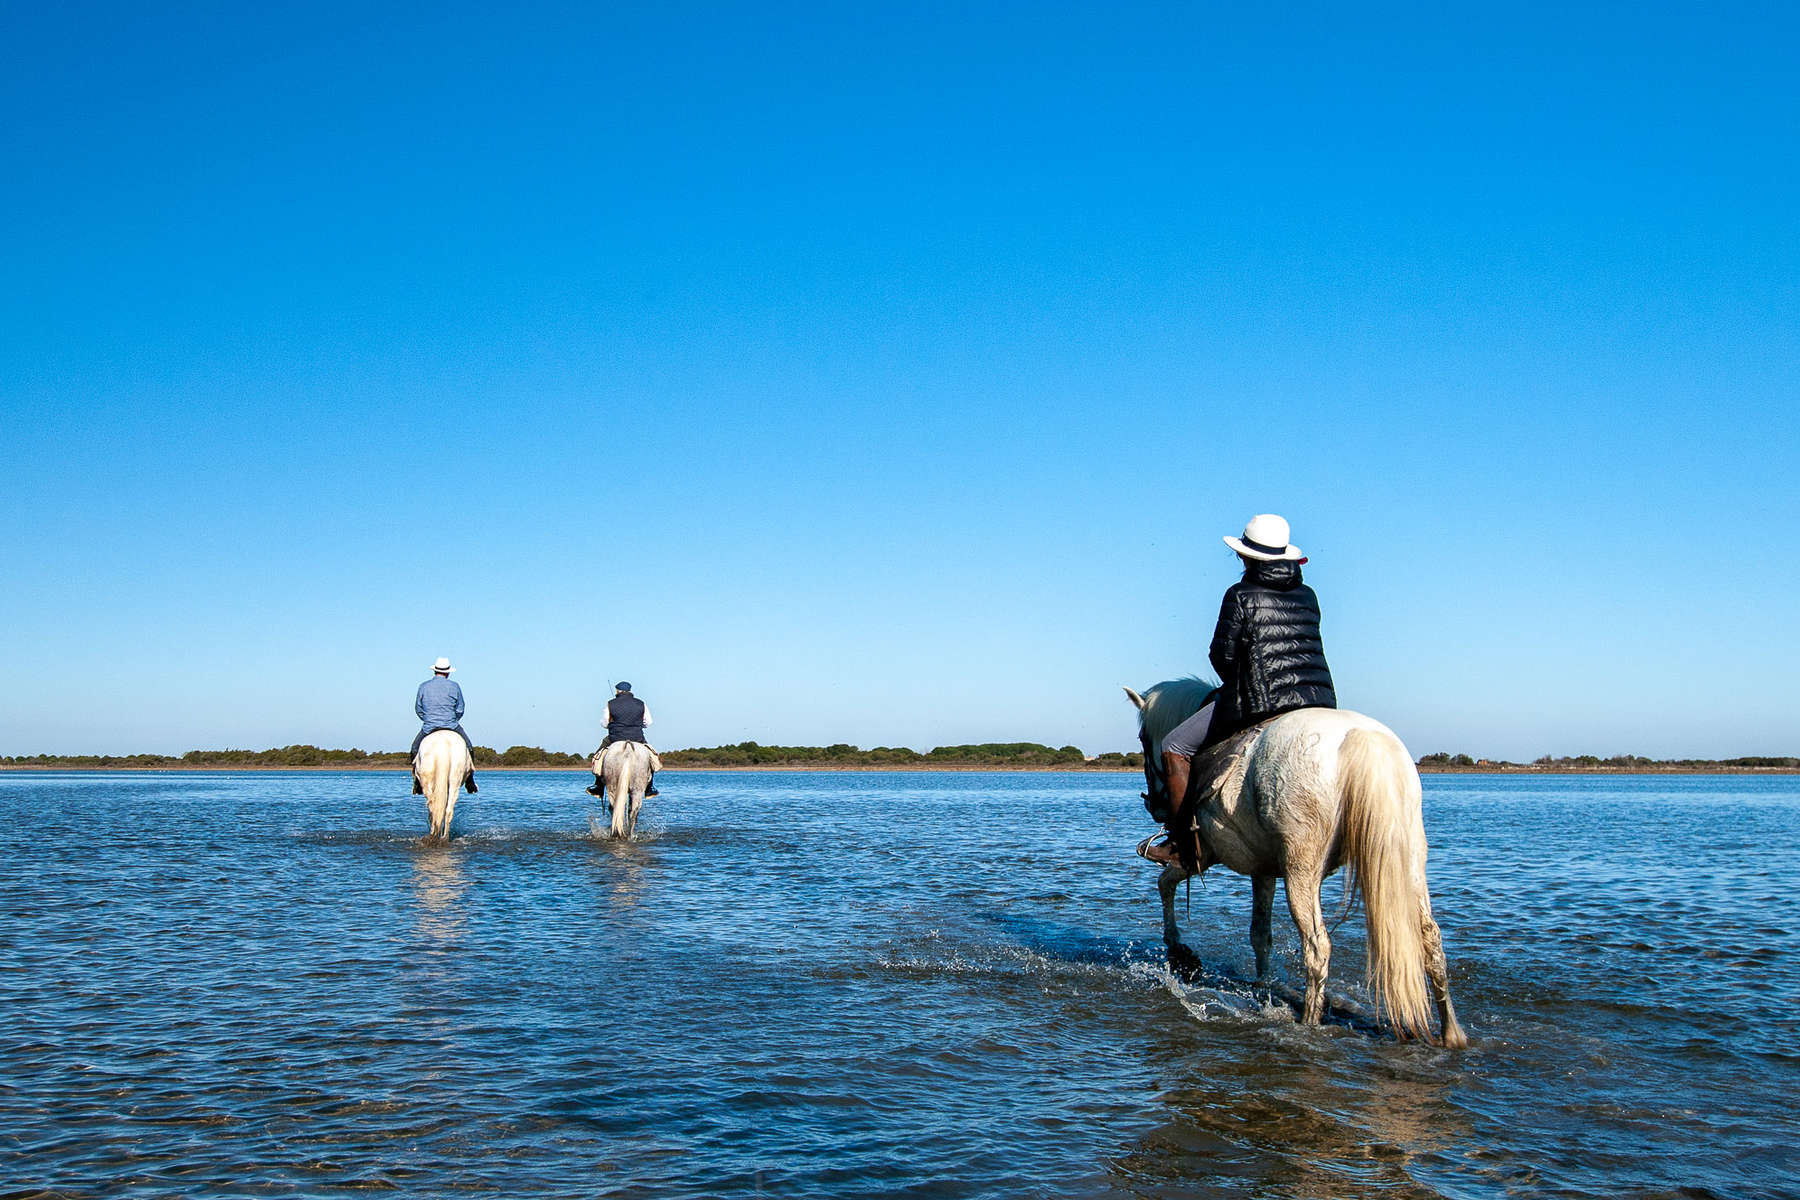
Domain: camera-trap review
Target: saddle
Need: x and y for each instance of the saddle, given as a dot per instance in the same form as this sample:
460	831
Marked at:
1214	769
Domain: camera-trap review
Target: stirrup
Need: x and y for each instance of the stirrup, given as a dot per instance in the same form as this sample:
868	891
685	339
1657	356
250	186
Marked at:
1174	860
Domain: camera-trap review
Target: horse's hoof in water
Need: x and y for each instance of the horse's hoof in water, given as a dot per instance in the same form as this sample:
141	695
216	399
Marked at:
1183	961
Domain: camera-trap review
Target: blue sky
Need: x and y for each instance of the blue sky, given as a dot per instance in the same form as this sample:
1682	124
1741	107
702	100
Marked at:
889	375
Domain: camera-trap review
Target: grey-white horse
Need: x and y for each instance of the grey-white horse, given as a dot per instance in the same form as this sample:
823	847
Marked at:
442	765
1295	798
623	770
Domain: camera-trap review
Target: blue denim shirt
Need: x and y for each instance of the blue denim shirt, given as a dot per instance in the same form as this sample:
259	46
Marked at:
440	703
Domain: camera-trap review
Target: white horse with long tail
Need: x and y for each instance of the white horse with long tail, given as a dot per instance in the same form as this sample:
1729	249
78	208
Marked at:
624	770
1295	798
442	765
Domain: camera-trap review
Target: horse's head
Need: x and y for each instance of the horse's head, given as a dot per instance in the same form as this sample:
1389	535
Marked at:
1160	710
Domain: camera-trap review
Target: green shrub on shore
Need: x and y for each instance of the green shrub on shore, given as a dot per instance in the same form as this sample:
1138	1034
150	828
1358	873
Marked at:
537	756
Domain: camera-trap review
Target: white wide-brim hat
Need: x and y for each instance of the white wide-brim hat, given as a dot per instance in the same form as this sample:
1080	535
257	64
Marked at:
442	664
1265	538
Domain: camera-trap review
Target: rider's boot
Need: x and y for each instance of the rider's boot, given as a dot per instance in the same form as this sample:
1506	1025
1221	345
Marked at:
1180	843
469	782
418	788
1162	853
651	790
1175	772
594	787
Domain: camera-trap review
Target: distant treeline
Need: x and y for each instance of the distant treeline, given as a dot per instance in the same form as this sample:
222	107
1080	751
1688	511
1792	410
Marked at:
744	754
1618	762
841	754
294	756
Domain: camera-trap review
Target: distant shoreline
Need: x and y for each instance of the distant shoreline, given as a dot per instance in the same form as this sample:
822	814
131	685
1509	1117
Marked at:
1528	769
330	768
841	756
908	769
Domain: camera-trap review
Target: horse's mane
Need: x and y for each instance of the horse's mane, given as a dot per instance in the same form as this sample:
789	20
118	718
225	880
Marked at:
1170	703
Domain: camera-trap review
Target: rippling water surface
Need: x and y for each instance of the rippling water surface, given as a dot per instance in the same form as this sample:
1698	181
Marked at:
840	985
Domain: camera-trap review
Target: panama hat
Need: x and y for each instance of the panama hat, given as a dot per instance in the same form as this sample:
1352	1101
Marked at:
442	664
1265	538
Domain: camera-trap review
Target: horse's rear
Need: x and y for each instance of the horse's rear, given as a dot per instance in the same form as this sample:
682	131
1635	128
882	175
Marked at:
442	765
1337	788
624	772
1296	797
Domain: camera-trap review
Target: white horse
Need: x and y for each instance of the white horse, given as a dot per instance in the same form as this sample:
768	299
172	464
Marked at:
442	765
623	770
1295	798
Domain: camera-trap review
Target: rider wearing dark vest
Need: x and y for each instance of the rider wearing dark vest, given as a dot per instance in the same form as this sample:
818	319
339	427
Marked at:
626	717
1266	649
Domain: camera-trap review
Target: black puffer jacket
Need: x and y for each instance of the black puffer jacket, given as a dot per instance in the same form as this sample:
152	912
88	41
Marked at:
1267	649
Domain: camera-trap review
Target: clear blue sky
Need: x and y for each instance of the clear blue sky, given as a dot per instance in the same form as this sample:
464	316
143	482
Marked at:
889	375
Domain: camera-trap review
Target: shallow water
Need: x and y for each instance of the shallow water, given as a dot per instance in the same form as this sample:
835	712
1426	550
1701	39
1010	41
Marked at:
840	985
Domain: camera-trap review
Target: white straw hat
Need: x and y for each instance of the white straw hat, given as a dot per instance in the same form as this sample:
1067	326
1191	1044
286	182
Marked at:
1265	538
442	664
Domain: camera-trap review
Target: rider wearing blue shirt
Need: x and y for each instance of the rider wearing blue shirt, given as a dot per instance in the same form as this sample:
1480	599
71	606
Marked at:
439	705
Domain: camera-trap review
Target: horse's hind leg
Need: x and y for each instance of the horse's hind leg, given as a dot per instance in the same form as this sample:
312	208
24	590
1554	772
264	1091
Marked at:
1262	915
1315	943
1437	970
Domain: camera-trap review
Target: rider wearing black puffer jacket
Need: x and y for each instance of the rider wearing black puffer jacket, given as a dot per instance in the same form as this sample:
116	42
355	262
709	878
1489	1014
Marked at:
1266	649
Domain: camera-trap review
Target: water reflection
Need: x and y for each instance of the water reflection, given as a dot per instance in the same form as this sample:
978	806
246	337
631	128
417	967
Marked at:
1292	1111
438	883
619	869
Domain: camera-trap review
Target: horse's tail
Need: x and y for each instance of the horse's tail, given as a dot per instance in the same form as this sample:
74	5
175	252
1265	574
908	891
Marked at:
621	792
440	789
1383	843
